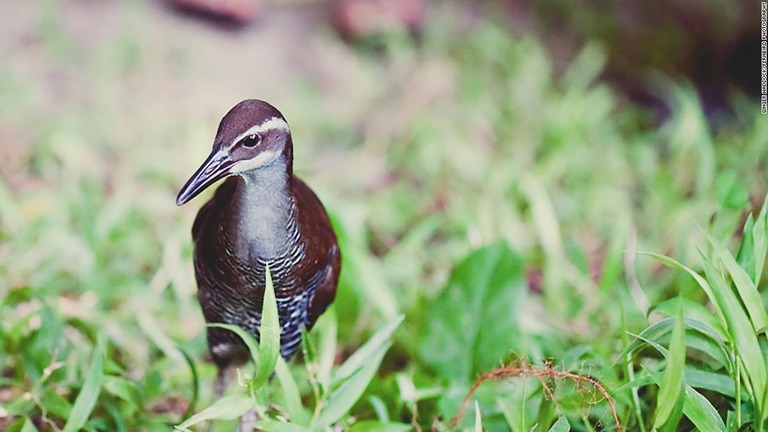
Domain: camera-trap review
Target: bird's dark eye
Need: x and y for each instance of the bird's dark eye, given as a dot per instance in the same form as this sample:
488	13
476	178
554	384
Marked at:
251	141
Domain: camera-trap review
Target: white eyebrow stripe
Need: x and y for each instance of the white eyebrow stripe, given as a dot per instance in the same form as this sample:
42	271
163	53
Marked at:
269	124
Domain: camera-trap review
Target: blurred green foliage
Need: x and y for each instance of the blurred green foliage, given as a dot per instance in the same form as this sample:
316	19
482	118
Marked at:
497	205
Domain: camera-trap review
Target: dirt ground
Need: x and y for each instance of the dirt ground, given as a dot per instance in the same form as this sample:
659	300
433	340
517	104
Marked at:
186	59
139	73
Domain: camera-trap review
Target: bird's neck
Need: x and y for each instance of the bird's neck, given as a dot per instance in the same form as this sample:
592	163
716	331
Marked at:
264	211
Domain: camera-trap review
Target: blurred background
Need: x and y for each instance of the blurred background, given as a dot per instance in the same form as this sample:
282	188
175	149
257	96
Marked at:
491	168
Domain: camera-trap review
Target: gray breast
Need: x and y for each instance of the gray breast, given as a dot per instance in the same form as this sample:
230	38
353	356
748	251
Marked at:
231	283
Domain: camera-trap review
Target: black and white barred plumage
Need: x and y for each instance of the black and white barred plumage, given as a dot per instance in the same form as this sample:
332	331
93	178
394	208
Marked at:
260	215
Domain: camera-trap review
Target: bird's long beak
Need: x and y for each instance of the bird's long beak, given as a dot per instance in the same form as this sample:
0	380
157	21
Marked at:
215	167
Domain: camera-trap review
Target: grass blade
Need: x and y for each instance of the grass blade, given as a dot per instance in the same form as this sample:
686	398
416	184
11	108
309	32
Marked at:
478	418
227	408
697	408
691	311
709	341
754	244
377	426
713	381
652	333
154	331
290	394
269	332
703	284
744	285
741	331
264	353
561	425
250	342
760	241
731	313
746	255
670	389
701	412
344	397
327	331
364	353
89	393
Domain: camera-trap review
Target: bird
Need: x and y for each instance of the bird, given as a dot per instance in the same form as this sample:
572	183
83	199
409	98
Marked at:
261	215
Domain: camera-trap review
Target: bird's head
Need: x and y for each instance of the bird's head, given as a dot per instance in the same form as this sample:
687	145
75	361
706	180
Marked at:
251	136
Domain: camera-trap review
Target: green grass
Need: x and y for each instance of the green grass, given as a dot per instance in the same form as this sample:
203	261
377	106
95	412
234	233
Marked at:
506	214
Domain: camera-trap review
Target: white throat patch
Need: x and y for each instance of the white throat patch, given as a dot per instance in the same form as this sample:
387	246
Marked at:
250	164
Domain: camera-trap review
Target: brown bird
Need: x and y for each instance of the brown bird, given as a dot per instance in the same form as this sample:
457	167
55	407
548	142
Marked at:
261	215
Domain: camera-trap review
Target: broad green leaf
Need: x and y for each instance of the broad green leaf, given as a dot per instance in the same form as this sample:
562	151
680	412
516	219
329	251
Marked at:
363	354
227	408
89	392
671	387
483	289
344	398
561	425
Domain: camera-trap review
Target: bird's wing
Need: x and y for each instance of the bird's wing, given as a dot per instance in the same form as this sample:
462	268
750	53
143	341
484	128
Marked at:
327	279
320	241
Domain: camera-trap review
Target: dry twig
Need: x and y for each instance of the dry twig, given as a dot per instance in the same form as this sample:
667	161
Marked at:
542	374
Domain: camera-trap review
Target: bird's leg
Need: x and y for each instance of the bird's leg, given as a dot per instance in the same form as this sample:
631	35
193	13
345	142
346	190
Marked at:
223	379
248	421
220	385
